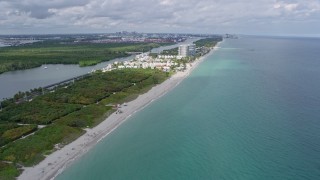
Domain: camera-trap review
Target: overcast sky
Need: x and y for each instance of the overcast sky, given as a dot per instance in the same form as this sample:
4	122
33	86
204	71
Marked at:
266	17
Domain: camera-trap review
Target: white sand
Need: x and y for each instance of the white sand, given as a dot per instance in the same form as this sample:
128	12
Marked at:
56	162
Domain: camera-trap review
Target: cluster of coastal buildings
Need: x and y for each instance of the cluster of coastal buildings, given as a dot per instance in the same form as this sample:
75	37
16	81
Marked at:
131	39
165	63
16	41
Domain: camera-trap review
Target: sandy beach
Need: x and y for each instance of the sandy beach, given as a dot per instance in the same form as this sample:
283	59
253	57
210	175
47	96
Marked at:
56	162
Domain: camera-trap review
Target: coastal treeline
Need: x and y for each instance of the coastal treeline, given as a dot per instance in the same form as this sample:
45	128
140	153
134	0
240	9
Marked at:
55	52
200	44
29	130
208	42
173	51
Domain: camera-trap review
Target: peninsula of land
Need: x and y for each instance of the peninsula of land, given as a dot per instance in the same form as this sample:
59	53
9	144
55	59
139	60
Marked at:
66	122
60	159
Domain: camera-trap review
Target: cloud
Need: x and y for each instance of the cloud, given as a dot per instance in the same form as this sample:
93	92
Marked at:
38	8
286	6
290	7
239	16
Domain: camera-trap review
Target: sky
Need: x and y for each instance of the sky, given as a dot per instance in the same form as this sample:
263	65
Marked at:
255	17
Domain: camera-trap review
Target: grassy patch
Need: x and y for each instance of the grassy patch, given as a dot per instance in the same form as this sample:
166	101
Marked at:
7	126
87	116
8	171
173	51
30	150
16	133
36	112
208	42
88	63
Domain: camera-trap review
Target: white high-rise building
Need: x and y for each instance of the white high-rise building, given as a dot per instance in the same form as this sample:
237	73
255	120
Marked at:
183	50
187	50
192	50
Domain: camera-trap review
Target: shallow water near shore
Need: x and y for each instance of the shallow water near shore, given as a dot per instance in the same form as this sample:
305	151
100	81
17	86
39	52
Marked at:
249	111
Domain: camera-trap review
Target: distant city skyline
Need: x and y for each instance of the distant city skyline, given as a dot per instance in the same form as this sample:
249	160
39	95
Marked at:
263	17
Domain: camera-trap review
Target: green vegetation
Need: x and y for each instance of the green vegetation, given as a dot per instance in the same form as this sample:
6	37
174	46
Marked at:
54	52
36	112
32	149
16	132
203	46
65	112
8	171
153	55
208	42
86	117
173	51
88	63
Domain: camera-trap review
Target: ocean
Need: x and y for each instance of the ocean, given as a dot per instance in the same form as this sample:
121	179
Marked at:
249	111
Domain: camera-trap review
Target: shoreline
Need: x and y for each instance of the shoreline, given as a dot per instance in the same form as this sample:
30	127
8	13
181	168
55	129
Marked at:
58	161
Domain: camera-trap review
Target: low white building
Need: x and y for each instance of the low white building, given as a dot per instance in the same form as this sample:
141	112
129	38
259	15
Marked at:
166	68
162	62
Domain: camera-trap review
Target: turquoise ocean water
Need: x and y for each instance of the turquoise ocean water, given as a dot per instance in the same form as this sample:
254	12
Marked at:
250	111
